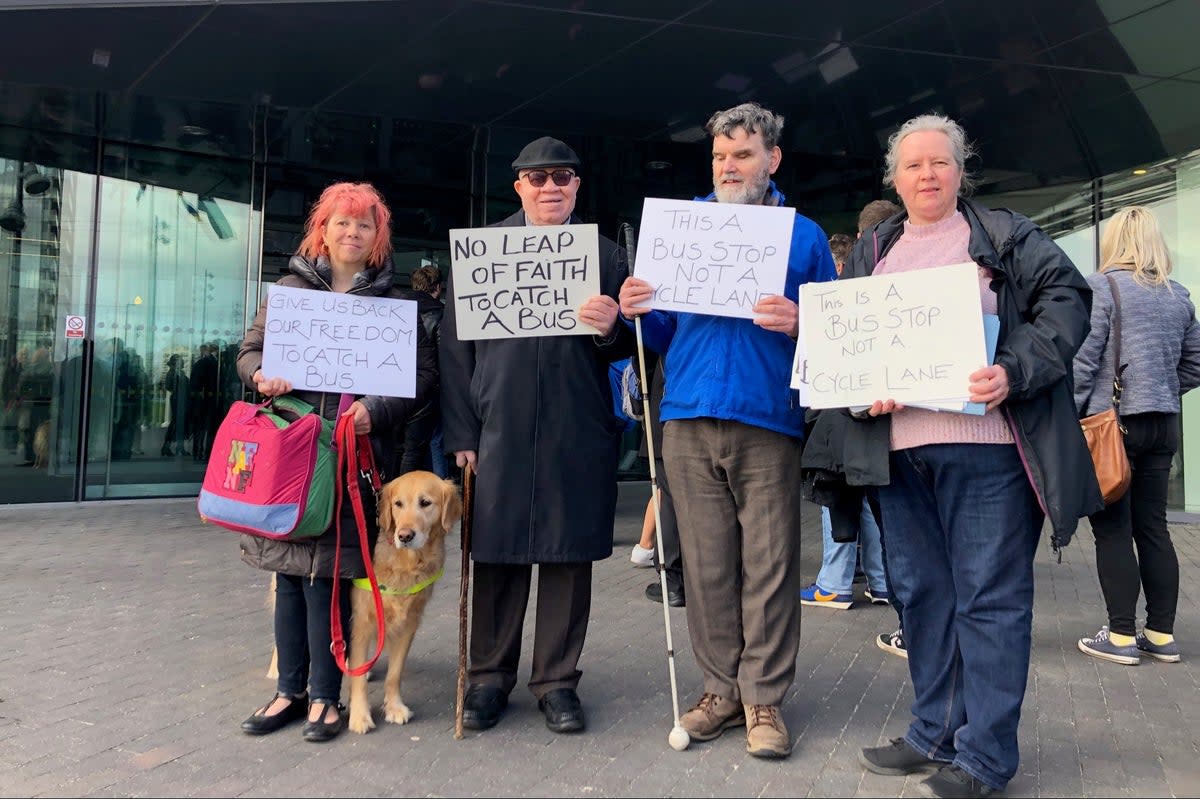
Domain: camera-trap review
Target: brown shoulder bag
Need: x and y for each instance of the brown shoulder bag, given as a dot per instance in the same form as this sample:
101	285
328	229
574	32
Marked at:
1104	433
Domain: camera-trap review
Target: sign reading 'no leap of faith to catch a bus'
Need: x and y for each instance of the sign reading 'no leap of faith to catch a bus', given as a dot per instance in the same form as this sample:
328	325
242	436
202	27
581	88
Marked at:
521	282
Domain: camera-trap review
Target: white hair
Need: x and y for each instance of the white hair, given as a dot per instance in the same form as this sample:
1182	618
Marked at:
961	148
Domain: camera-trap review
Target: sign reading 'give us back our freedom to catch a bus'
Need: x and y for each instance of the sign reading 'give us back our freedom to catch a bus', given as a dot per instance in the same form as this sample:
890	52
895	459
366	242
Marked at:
341	343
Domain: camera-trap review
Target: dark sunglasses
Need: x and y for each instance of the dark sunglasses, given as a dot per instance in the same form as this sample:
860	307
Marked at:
537	177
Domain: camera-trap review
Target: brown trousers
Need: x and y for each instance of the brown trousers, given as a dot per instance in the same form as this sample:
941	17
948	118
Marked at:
737	495
499	597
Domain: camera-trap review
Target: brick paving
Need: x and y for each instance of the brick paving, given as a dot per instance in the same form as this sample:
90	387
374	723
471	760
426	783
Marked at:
135	642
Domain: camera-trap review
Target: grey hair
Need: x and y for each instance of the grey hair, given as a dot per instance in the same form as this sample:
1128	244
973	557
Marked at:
961	148
751	117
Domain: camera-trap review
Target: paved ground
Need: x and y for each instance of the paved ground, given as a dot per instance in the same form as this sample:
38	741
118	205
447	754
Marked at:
135	642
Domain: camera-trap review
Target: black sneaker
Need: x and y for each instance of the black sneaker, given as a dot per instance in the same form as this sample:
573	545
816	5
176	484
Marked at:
951	782
892	642
895	759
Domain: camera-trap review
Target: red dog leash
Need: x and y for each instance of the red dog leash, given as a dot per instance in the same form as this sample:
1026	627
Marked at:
354	460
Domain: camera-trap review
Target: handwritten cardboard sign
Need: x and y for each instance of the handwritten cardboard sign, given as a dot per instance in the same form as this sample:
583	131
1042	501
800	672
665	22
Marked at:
914	337
521	282
341	343
713	258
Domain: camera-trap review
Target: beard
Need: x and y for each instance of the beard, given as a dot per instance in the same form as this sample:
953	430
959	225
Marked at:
749	192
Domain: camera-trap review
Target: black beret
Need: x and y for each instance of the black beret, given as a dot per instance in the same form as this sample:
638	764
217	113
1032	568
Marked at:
545	152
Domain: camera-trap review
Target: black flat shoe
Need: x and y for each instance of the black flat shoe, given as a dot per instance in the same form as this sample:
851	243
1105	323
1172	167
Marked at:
562	709
320	730
261	724
482	706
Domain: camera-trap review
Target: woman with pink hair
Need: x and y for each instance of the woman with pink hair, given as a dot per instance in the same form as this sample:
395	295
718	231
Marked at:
346	249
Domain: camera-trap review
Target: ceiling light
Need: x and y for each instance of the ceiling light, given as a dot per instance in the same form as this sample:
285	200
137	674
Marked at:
838	65
35	182
689	135
733	83
1139	171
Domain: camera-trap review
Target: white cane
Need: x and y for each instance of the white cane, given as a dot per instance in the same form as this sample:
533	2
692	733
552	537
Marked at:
678	738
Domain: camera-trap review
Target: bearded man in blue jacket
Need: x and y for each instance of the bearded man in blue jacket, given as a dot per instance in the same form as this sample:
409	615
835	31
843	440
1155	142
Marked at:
731	441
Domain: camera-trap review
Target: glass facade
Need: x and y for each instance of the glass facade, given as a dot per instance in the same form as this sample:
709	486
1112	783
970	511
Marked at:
1075	216
146	197
136	237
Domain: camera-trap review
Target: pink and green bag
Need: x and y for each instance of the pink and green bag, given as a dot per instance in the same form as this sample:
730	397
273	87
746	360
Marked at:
271	471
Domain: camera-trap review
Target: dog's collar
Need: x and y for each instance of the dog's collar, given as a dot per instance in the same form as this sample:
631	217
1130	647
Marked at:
365	584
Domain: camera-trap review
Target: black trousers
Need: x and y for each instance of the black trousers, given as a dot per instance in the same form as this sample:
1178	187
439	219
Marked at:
413	446
669	530
1139	519
302	635
498	601
672	553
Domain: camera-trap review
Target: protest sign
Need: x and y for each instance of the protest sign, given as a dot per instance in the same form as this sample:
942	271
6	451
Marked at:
341	343
713	258
914	337
521	282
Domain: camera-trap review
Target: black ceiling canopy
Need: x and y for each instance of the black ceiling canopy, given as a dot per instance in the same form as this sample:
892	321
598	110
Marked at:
1057	89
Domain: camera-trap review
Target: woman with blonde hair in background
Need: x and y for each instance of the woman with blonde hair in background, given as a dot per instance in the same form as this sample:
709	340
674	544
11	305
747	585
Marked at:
1160	354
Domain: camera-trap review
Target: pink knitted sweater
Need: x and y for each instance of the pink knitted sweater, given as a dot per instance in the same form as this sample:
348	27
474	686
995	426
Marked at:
921	247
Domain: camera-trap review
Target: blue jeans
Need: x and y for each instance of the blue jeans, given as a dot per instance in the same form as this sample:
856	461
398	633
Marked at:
837	560
962	526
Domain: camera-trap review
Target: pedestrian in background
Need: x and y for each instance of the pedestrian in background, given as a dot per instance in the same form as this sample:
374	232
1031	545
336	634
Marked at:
1160	361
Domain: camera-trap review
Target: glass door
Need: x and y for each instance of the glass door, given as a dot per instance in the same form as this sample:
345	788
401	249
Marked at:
45	235
172	266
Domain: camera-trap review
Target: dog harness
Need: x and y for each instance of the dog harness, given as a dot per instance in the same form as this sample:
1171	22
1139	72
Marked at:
365	584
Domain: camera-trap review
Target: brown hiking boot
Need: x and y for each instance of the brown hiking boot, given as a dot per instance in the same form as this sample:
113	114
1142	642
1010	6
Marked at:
765	734
711	716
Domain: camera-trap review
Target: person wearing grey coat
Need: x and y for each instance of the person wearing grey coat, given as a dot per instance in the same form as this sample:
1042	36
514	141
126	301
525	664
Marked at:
1160	361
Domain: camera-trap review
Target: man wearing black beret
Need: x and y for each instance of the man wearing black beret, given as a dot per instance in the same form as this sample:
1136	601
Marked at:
535	416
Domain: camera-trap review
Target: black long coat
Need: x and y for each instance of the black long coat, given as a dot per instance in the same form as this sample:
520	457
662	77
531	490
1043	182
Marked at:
539	414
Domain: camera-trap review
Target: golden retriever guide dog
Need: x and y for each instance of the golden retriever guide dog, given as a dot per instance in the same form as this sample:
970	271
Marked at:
416	511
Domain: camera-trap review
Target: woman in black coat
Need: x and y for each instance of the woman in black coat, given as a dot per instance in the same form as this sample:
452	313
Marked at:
963	496
345	249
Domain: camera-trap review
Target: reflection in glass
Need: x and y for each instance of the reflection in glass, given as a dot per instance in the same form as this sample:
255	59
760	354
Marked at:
170	311
44	234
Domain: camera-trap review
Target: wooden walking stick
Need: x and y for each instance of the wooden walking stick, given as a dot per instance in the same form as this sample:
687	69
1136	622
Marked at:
463	591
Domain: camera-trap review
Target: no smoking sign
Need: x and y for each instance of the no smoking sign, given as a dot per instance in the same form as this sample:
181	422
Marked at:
76	325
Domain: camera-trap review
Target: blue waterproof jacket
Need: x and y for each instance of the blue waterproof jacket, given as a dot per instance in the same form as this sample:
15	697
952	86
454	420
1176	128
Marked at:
720	367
